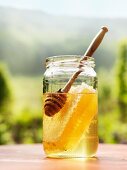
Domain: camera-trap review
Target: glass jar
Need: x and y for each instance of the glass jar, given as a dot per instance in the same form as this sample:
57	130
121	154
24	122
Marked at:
72	131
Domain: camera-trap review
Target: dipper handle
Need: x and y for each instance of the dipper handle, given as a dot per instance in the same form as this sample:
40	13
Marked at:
95	43
89	52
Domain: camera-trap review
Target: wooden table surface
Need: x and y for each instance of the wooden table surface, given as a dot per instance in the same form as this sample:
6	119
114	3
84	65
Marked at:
31	157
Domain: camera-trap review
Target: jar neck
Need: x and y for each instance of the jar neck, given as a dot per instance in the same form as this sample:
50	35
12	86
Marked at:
69	61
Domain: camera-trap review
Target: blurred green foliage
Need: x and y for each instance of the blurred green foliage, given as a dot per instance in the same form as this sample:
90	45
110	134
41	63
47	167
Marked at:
5	104
5	92
21	121
113	100
122	81
27	127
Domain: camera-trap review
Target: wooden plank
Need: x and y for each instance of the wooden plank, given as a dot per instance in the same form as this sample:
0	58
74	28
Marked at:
25	157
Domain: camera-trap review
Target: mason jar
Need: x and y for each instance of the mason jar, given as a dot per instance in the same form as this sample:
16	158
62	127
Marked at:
72	131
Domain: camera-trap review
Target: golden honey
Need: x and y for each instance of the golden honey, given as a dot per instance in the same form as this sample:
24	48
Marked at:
72	132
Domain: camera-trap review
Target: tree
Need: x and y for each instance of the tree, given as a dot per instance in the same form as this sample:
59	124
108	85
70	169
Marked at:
122	81
5	98
5	94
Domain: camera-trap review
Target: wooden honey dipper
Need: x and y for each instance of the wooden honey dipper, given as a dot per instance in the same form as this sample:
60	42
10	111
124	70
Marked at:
55	101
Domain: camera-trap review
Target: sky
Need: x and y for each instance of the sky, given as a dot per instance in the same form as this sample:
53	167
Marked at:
89	8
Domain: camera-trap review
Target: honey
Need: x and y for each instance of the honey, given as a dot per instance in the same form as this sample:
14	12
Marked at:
72	132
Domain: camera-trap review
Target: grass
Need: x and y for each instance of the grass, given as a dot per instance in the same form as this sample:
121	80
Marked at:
27	92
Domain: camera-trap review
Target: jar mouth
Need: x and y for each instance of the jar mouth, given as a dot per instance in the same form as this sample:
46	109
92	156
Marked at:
68	60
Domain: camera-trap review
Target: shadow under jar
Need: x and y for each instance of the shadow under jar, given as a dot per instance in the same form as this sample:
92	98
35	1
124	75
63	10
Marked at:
71	132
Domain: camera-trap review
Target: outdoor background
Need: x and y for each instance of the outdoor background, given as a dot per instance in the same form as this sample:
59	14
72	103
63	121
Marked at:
30	31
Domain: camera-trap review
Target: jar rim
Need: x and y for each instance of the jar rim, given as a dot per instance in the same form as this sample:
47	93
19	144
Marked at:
63	57
67	58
